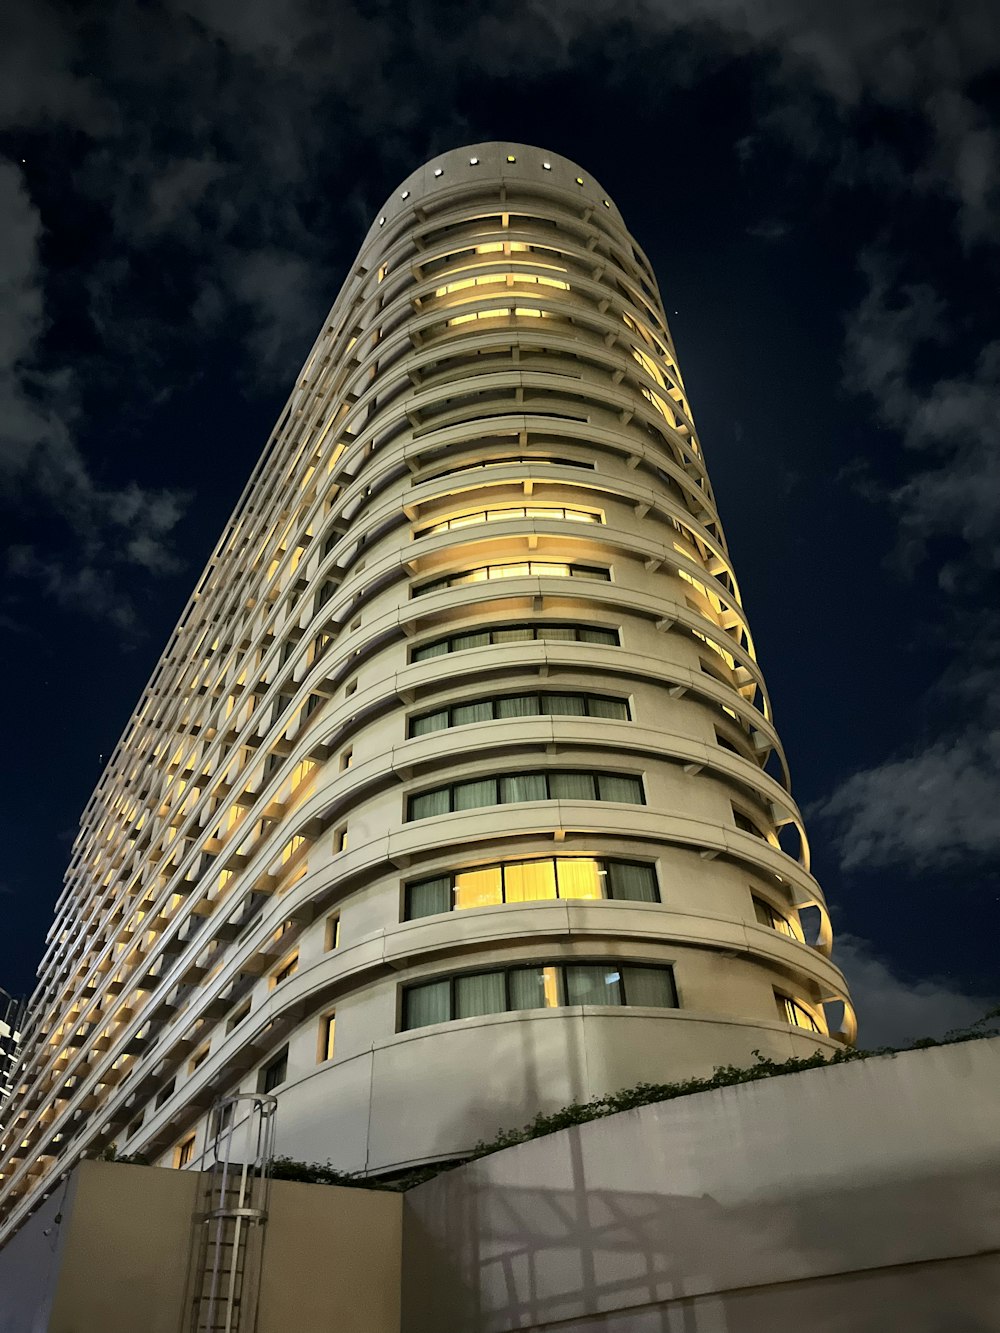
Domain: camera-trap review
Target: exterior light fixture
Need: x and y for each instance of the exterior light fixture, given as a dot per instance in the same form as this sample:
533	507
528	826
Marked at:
546	166
439	171
405	194
473	161
579	180
381	222
511	157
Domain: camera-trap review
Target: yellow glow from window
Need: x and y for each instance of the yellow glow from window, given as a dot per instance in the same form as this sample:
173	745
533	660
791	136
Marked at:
728	658
579	877
514	511
529	881
478	888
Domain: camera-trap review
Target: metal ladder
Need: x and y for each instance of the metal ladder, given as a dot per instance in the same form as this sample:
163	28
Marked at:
228	1240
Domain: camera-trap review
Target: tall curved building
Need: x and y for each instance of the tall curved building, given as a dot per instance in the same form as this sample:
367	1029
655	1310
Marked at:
455	795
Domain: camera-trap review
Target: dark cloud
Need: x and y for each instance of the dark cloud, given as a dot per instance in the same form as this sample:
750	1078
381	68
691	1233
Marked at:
893	1011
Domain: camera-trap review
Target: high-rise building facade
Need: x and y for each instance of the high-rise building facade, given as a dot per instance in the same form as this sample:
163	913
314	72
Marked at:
11	1018
455	795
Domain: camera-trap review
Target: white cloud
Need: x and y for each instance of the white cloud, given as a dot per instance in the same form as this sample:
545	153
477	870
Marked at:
896	1012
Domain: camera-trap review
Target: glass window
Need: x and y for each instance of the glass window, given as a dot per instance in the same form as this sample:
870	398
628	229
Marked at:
593	983
523	787
427	1004
572	786
534	987
428	898
429	803
590	572
478	888
598	707
790	1011
544	568
579	877
482	993
473	795
421	726
463	714
517	705
620	787
557	633
598	636
631	881
275	1073
516	634
328	1033
513	571
529	881
478	639
430	650
651	986
569	705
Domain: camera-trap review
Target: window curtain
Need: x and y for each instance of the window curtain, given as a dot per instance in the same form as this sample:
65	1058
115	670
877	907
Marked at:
616	708
461	641
534	987
598	636
579	878
422	726
427	1004
463	714
522	787
517	634
572	786
564	705
472	795
430	650
428	898
529	881
483	993
478	888
635	883
557	633
620	787
429	803
593	984
651	986
517	705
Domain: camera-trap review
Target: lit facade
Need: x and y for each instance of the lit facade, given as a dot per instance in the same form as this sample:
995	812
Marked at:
11	1018
455	795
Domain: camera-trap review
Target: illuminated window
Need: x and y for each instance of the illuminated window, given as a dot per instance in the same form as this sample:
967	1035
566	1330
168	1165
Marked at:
184	1152
770	916
327	1031
332	932
274	1072
552	633
508	706
515	788
198	1059
237	1016
346	759
286	970
531	881
538	986
340	840
745	823
791	1011
514	570
544	512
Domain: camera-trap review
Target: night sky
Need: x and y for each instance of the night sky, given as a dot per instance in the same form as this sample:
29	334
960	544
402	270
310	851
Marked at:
182	188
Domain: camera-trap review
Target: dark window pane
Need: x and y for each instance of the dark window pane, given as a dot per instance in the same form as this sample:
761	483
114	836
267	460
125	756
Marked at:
598	707
572	786
427	1004
591	572
598	636
460	641
652	986
428	897
620	787
463	714
593	983
472	795
534	987
517	705
632	882
556	633
421	726
430	650
522	787
429	803
483	993
564	705
514	634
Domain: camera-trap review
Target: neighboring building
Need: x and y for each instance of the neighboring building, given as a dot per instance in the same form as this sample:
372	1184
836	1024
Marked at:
460	749
11	1018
